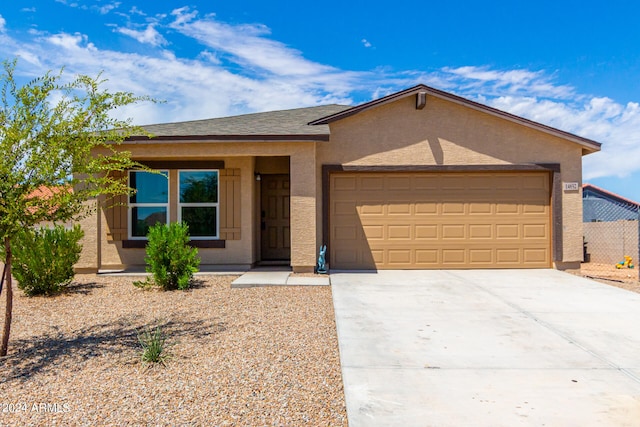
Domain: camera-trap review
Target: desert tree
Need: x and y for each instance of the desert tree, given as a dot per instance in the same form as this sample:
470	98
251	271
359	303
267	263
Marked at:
61	136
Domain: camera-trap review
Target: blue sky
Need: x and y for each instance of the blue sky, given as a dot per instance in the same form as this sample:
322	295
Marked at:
574	65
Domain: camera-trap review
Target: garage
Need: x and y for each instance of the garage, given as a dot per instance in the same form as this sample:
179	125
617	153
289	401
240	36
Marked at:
429	220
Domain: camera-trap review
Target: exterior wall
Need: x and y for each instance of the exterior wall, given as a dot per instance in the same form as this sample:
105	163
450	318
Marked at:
445	133
89	258
241	155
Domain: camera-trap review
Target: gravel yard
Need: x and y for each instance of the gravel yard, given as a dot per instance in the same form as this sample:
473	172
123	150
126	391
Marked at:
246	357
625	278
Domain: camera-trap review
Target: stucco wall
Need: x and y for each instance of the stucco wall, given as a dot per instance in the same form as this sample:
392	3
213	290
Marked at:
88	262
445	133
241	155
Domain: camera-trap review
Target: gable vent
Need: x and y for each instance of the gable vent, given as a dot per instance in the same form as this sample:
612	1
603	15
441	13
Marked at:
421	100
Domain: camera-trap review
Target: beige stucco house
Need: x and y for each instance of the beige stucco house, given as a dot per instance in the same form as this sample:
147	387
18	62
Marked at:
418	179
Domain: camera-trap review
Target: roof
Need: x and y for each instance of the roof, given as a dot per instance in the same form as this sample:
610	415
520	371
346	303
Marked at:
312	123
608	194
271	125
47	193
589	146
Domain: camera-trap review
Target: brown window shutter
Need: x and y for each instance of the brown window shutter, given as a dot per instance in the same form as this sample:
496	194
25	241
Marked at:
230	204
116	214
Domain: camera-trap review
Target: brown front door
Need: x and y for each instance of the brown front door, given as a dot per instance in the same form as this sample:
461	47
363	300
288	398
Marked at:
274	218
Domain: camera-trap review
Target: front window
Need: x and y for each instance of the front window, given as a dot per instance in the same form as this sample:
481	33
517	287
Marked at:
198	202
149	204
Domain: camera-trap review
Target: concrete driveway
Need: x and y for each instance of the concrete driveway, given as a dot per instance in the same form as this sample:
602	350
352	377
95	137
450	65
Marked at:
487	348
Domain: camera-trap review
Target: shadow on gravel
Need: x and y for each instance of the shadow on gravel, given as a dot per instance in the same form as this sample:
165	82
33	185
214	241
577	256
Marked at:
197	283
113	341
82	288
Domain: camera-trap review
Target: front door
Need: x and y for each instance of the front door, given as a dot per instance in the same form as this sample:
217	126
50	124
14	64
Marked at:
274	218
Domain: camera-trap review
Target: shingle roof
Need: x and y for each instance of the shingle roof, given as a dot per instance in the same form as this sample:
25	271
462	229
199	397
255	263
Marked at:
284	123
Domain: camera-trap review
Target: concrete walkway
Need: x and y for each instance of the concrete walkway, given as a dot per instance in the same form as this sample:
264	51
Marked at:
487	348
274	277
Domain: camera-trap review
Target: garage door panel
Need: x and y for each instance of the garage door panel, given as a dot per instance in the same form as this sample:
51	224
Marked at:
480	256
426	232
453	182
400	208
422	208
453	208
399	256
399	183
453	256
506	208
508	256
345	208
533	209
373	232
426	182
375	208
377	256
446	220
402	232
478	208
534	231
534	256
507	231
481	231
346	233
537	182
342	183
453	231
372	183
427	257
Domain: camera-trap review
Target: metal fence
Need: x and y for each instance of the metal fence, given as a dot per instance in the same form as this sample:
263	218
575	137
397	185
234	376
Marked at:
611	240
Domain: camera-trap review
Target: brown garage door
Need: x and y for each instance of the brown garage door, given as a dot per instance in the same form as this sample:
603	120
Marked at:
440	220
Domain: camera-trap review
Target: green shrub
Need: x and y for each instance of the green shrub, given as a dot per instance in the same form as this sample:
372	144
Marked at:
43	259
153	346
170	259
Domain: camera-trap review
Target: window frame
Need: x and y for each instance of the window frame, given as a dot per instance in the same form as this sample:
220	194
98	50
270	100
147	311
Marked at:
215	205
130	205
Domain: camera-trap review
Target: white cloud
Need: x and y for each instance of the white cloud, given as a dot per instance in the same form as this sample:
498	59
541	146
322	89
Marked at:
71	4
28	9
68	42
246	44
240	68
366	43
135	11
108	7
495	82
148	36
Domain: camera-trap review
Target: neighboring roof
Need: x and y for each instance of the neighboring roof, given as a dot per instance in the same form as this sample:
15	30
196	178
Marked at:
589	146
607	194
46	193
271	125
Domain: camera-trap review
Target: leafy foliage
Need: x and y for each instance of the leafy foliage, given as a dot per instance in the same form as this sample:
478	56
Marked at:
61	136
153	346
44	258
170	259
68	145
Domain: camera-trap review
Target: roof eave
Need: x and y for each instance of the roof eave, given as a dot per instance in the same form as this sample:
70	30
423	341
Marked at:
609	194
228	138
589	146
